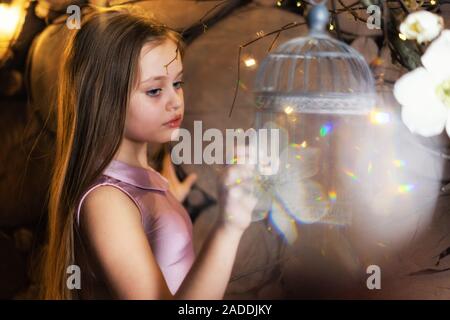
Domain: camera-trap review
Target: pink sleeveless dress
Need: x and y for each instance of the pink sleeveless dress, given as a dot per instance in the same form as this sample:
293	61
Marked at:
165	221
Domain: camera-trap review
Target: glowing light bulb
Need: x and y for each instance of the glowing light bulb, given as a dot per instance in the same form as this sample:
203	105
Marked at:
12	17
250	62
9	17
288	109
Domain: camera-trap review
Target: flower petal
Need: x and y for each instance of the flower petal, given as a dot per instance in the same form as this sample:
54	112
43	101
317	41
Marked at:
283	223
437	57
416	88
426	120
422	25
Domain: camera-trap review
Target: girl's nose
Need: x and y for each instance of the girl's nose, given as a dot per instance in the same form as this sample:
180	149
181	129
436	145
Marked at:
175	101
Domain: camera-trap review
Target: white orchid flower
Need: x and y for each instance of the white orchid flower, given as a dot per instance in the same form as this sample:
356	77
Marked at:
424	93
422	26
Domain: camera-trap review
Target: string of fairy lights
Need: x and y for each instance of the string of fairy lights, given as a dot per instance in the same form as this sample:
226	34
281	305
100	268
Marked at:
299	7
292	5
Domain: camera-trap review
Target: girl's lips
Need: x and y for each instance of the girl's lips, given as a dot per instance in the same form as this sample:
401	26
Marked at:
175	123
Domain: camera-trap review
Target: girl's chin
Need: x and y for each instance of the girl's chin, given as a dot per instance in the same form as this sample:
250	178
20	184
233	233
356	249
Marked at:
175	134
165	136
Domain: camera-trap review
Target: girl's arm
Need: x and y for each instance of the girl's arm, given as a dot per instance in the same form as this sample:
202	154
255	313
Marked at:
111	222
210	273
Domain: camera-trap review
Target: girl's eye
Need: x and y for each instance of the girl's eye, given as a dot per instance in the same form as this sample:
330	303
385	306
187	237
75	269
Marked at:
154	92
178	84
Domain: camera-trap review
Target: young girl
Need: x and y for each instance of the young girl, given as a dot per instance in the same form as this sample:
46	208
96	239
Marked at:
110	214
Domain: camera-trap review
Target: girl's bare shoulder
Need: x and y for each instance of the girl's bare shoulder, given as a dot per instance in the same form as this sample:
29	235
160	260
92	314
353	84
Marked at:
108	201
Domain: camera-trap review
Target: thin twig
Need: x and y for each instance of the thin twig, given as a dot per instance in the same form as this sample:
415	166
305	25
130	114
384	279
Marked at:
278	31
356	16
336	20
202	19
236	89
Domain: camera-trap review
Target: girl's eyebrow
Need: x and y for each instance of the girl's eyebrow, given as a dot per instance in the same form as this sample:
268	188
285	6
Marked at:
161	77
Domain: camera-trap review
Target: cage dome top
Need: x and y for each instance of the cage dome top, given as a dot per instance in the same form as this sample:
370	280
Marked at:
315	74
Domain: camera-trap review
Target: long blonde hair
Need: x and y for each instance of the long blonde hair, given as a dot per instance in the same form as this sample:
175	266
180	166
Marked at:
99	70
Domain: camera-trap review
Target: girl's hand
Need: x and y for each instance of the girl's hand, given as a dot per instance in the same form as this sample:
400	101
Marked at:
179	189
237	197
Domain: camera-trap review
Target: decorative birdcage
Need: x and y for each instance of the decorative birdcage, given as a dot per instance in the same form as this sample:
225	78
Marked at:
318	92
315	74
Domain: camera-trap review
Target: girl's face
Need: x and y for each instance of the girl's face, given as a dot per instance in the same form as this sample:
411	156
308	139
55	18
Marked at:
156	105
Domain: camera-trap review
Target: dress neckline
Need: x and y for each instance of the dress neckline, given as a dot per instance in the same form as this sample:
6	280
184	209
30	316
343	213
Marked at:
140	177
